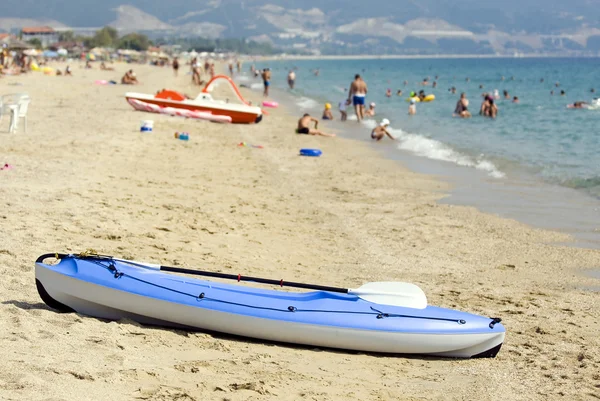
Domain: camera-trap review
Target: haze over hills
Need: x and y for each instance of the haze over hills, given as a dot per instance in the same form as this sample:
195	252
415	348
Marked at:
341	26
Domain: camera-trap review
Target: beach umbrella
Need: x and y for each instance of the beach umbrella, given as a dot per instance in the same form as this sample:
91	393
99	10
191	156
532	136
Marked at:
16	44
62	52
30	52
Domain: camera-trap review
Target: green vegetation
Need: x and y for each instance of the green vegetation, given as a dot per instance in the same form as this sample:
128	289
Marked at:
109	37
241	46
35	42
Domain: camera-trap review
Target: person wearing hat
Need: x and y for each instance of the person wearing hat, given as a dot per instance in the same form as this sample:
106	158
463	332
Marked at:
327	114
412	107
381	130
371	111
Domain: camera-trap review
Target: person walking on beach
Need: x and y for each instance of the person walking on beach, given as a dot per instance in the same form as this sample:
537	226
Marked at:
462	107
231	68
303	126
358	93
175	66
291	79
266	76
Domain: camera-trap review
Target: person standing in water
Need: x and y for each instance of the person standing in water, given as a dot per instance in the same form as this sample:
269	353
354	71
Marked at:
412	107
266	76
358	93
342	106
291	79
462	107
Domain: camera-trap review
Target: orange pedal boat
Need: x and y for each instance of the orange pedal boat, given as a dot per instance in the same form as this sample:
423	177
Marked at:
240	113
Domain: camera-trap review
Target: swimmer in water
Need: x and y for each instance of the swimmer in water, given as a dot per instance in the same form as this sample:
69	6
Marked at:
388	93
462	107
399	93
371	111
562	93
506	95
579	105
381	130
515	99
434	84
327	114
412	108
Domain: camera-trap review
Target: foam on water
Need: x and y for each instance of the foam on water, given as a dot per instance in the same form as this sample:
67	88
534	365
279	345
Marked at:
306	103
436	150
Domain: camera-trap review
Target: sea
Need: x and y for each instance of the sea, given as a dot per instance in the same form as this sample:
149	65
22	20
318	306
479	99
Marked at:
537	162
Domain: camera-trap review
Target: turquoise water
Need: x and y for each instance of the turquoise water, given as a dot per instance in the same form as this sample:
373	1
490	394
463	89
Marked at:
539	135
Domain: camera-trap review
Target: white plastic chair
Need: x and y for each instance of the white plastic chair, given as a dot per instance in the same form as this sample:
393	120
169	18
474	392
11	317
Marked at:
23	106
17	104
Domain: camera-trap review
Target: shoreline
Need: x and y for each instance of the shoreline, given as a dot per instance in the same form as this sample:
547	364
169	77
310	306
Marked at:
408	57
515	197
85	177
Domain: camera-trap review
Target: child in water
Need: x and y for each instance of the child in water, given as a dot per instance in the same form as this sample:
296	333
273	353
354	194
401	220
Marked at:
327	114
381	130
412	108
343	106
371	111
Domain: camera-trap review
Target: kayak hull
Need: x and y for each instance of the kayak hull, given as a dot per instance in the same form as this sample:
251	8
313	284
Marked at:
152	297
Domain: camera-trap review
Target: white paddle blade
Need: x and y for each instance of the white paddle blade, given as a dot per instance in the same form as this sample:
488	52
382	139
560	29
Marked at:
407	295
145	265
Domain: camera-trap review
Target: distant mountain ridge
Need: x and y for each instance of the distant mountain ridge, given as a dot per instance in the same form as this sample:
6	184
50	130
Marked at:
340	25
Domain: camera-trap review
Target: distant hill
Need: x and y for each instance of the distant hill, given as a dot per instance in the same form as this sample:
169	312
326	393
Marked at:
340	25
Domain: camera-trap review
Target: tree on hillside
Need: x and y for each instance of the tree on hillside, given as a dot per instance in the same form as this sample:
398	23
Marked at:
106	37
67	36
134	41
35	42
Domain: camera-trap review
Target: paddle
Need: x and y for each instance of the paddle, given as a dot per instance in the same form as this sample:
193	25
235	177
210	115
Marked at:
406	295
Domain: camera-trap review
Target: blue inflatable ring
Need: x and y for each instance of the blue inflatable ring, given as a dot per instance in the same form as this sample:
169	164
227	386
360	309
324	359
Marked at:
310	152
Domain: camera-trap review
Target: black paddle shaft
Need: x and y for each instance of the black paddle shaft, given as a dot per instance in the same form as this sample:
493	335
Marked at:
237	277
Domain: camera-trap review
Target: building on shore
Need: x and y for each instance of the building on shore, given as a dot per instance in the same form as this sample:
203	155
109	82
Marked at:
45	34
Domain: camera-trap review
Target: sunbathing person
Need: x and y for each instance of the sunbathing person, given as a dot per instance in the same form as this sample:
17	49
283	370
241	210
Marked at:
129	78
304	129
105	68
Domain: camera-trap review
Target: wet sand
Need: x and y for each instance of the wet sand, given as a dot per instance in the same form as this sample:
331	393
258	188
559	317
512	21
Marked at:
85	177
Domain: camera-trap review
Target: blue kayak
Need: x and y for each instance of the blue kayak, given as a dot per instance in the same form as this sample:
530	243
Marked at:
114	289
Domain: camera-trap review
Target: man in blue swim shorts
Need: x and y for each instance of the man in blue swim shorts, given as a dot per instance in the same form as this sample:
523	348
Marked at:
266	76
358	93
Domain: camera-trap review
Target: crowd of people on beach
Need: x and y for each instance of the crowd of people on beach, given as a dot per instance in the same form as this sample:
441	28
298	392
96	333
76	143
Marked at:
357	95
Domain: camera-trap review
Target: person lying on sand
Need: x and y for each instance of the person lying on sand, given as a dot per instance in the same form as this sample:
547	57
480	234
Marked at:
129	78
68	70
381	130
105	68
304	129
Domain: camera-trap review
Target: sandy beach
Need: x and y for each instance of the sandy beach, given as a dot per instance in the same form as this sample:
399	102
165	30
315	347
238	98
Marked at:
85	177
